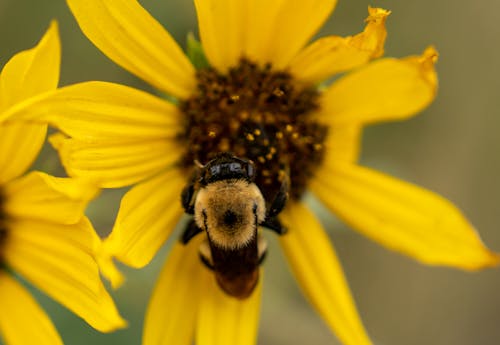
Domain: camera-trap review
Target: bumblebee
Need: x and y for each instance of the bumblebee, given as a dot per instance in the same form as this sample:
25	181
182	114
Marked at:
229	207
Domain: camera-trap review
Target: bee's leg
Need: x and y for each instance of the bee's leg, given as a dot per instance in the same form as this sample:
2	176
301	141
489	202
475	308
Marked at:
279	200
187	198
206	255
273	224
262	248
190	231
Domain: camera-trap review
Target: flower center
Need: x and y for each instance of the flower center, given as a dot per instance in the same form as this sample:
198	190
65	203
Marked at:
258	114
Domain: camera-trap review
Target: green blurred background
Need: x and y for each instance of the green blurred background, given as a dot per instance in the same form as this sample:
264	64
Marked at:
451	148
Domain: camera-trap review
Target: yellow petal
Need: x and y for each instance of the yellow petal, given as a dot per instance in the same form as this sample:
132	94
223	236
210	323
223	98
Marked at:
131	37
222	30
19	146
343	143
402	217
22	321
319	273
59	259
98	110
32	71
148	214
387	89
40	196
229	29
333	54
279	29
173	307
225	320
115	164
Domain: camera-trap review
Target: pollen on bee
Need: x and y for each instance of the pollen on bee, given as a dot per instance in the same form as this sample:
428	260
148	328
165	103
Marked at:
250	137
278	92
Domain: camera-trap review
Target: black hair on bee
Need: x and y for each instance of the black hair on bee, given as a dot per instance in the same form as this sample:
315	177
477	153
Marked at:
229	207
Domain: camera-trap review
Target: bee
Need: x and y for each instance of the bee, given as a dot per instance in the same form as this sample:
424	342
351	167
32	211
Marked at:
229	207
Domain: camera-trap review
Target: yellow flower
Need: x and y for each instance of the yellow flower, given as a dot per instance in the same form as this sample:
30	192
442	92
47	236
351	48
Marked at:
258	98
44	235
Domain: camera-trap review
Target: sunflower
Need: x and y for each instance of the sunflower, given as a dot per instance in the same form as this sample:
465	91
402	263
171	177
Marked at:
257	89
44	236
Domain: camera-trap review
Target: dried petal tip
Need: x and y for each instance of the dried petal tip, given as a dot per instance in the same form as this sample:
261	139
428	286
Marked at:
429	56
377	15
427	61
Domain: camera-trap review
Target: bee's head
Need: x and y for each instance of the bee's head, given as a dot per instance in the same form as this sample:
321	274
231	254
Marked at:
225	166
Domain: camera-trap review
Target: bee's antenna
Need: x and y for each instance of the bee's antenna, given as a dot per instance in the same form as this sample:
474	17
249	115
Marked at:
198	164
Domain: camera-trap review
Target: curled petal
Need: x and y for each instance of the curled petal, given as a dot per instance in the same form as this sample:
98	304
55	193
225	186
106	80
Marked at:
333	54
60	260
402	217
147	216
40	196
387	89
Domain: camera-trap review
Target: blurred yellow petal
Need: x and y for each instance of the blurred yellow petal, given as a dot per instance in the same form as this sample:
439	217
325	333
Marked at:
319	273
292	24
22	321
222	30
173	307
277	30
343	143
115	164
402	216
32	71
387	89
333	54
20	144
232	29
131	37
147	216
99	110
54	199
225	320
59	259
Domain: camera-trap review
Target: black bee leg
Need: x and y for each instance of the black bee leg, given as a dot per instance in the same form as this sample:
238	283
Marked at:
279	200
273	224
190	231
206	255
187	198
262	248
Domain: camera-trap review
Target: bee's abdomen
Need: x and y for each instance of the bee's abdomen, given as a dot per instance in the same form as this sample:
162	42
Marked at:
237	271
